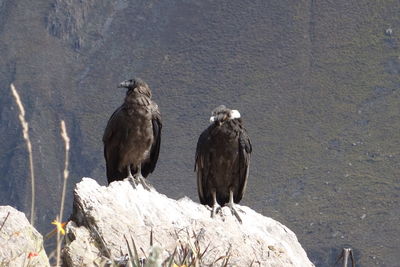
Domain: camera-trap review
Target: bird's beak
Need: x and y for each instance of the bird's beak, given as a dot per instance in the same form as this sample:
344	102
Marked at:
125	84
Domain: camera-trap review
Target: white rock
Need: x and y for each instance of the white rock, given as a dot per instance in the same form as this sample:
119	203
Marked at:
18	239
103	215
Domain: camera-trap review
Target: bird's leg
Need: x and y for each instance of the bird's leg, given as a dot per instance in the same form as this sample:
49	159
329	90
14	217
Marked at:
215	207
129	172
231	205
130	177
140	179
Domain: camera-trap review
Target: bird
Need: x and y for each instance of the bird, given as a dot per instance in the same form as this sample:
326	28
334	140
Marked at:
132	136
222	161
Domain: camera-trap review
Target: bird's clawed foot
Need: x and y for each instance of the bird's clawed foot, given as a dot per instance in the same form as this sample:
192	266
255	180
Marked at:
234	212
137	179
142	181
131	180
215	209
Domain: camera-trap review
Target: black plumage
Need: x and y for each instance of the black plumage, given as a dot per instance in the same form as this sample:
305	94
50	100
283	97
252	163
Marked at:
133	135
222	160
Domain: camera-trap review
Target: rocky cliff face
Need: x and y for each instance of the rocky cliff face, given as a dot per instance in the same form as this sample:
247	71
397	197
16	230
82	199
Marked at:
104	215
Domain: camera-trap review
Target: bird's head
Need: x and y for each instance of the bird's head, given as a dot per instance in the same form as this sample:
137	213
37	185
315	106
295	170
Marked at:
136	85
221	114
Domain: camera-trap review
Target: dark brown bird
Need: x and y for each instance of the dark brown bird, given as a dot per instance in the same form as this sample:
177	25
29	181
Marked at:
133	135
222	161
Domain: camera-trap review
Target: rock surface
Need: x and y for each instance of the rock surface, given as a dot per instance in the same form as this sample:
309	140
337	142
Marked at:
103	215
20	243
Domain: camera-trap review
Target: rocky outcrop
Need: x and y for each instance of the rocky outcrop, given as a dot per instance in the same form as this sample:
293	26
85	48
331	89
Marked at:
20	243
104	216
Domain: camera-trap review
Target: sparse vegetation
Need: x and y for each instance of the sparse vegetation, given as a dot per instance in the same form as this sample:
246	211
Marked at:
187	253
57	222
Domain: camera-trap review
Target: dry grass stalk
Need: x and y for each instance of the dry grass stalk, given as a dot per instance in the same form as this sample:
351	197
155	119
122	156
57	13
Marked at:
58	248
25	131
1	227
66	139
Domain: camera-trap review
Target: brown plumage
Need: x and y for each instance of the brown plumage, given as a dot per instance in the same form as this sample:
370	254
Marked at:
133	134
222	160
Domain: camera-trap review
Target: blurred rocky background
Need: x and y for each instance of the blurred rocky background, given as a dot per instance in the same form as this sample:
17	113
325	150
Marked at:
317	84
